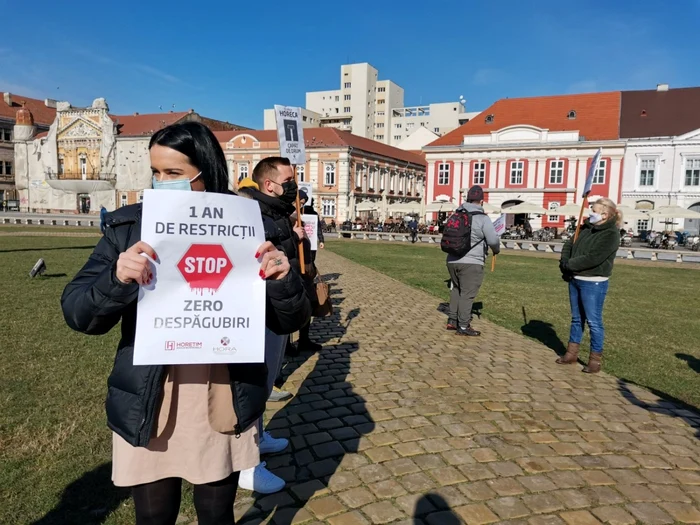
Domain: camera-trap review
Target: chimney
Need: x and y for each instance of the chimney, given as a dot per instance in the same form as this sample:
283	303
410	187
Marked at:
50	103
7	97
661	87
136	114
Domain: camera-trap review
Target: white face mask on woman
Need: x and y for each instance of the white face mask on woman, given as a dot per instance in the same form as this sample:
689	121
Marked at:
595	218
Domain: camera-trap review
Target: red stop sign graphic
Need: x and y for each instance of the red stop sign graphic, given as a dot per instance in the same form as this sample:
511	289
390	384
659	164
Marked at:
205	266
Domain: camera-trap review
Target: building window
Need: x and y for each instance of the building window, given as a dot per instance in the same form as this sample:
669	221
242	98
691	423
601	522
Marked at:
328	207
647	169
380	101
329	178
516	172
6	135
642	225
8	167
347	97
123	200
436	130
140	196
242	171
348	85
479	173
346	109
397	137
571	115
489	119
599	175
409	125
380	113
443	174
381	90
379	137
301	172
337	98
692	172
83	167
380	124
556	172
553	206
398	126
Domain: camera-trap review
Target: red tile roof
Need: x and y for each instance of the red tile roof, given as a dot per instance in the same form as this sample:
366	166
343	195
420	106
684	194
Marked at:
653	113
597	116
329	138
138	125
42	114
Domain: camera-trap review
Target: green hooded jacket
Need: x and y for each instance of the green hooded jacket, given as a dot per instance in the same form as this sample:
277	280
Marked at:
594	252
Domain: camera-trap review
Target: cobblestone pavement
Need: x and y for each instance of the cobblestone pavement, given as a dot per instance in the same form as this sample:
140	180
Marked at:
399	421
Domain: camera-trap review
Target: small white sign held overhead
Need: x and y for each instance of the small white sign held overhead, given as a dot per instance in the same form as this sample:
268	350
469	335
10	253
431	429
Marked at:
311	228
500	225
290	134
308	188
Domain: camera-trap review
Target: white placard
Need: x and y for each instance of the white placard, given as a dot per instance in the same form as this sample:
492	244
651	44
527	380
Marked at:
308	188
290	134
311	227
499	224
206	303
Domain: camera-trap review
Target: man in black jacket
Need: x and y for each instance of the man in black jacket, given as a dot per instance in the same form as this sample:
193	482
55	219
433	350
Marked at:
276	195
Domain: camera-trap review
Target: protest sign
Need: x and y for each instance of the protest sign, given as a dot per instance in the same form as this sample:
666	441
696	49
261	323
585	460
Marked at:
311	228
206	303
500	225
290	134
308	188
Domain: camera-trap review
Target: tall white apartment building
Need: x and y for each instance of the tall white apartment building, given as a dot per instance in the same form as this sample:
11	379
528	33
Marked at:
362	105
374	109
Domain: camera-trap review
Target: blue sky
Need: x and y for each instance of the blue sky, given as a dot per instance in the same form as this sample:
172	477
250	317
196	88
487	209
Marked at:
230	60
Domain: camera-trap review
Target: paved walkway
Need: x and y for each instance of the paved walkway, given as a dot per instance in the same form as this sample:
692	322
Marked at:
398	421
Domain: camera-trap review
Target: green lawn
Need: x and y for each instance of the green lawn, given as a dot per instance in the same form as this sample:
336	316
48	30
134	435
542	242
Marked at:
651	313
55	448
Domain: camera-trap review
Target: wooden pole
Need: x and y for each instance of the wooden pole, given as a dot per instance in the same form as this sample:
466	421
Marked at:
301	242
580	217
493	262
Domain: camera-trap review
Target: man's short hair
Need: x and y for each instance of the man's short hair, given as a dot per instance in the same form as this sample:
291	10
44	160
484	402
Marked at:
267	168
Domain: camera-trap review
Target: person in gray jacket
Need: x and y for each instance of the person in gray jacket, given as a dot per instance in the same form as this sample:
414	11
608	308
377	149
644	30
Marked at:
467	273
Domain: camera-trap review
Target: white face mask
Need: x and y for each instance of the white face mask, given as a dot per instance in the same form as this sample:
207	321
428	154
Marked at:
595	218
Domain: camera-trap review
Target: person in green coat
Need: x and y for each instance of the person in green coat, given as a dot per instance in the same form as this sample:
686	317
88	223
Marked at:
587	266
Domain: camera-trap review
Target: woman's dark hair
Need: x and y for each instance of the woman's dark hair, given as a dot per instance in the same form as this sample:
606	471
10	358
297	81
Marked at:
197	143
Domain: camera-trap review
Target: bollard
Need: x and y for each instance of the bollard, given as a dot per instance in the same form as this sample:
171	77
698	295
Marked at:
630	254
679	257
654	256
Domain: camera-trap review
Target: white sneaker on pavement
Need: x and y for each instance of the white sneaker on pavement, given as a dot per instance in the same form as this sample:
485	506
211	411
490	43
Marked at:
270	445
261	480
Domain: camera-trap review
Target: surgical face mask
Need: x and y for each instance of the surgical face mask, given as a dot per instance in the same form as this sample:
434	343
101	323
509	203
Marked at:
289	191
177	184
595	218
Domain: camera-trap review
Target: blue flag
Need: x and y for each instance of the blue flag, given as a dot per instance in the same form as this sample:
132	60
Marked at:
591	172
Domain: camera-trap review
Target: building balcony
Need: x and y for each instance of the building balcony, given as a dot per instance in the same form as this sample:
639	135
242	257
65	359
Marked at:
77	182
7	179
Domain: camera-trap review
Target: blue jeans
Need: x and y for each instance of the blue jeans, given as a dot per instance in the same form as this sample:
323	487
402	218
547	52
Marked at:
587	298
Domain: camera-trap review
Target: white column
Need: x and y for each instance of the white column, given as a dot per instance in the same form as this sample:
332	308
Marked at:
343	181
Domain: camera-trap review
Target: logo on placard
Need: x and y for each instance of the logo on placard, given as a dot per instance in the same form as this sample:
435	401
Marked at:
225	348
183	345
170	345
225	341
204	267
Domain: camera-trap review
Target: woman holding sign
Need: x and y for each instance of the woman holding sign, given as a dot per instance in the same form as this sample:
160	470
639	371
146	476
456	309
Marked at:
193	422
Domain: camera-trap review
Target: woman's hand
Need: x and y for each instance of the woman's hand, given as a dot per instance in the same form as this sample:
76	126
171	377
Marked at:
301	233
274	264
134	267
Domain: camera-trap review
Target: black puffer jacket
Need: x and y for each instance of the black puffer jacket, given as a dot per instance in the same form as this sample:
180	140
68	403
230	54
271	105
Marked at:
95	301
279	212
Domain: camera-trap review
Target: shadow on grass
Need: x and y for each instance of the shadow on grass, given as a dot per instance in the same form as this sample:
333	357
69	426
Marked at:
324	423
88	500
670	405
543	332
436	509
693	362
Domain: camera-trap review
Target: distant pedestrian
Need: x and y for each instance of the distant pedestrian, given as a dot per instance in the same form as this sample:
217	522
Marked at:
587	266
103	217
468	234
413	228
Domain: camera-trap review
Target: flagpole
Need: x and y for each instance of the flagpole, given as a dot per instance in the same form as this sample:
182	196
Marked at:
580	217
301	241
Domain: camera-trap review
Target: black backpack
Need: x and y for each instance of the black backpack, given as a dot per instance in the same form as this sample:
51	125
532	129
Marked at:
457	233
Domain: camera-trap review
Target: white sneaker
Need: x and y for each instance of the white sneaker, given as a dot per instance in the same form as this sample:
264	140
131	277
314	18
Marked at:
260	480
270	445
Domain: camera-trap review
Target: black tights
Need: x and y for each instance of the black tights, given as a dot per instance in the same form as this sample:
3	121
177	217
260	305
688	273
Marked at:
158	503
